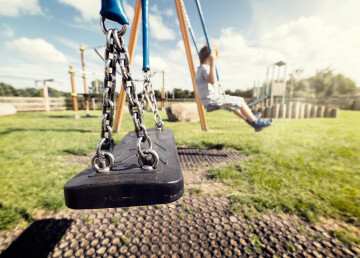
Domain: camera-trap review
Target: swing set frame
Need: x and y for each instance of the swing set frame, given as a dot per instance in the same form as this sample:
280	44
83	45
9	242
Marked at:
131	47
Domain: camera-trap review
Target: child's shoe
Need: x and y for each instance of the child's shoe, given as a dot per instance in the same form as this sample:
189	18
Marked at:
257	117
260	124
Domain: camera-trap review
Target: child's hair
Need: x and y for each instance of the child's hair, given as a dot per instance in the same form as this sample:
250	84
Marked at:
205	53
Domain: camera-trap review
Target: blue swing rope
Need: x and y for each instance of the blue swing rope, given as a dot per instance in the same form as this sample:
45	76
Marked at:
198	5
145	34
188	23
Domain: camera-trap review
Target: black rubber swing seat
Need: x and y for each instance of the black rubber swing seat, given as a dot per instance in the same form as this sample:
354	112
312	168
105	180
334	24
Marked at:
127	184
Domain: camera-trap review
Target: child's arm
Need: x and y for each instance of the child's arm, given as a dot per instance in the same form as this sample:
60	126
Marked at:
212	73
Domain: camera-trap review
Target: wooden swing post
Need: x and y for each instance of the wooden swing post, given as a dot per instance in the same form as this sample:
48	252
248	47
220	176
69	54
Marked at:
87	106
132	43
185	36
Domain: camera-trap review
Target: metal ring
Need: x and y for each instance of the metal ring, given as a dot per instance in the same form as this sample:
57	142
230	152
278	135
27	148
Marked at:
98	147
108	38
140	140
116	39
99	163
138	146
103	140
103	121
155	160
109	131
105	31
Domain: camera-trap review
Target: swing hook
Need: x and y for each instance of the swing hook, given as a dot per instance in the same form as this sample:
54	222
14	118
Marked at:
105	31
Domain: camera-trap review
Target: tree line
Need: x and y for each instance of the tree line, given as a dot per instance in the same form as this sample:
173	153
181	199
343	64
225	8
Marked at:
324	84
8	90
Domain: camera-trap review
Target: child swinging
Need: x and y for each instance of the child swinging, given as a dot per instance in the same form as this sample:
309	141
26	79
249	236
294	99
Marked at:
210	92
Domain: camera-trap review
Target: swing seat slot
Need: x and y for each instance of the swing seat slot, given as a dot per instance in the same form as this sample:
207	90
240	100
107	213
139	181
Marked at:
127	184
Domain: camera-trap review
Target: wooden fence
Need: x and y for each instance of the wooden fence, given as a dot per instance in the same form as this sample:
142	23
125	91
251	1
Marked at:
24	104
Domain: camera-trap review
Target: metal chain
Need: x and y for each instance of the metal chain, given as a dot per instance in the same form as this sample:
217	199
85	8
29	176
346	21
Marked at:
104	160
148	91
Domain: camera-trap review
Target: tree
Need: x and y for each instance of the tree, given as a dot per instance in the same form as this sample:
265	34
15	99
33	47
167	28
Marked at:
240	93
179	94
323	84
92	88
8	90
157	94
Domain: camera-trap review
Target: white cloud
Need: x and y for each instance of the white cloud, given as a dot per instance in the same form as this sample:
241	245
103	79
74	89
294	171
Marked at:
14	8
37	50
312	43
67	42
169	12
89	9
309	43
7	31
154	8
159	30
267	15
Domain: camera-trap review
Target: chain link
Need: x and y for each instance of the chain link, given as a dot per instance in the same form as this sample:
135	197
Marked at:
117	52
148	91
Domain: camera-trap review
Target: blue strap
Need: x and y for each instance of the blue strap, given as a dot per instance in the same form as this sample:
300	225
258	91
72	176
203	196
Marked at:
193	39
114	10
145	33
198	5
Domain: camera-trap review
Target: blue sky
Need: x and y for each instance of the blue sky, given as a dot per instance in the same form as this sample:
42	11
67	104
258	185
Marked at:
40	39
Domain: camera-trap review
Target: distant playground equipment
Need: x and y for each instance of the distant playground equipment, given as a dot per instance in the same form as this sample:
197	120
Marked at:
276	105
115	179
273	87
31	103
86	95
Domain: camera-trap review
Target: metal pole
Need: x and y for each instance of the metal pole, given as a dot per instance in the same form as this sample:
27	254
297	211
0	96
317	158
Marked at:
132	43
87	108
46	98
272	87
283	98
163	92
96	86
191	62
73	94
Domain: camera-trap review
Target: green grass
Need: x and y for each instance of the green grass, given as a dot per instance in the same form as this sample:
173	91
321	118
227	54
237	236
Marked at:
115	219
309	167
126	240
348	238
195	191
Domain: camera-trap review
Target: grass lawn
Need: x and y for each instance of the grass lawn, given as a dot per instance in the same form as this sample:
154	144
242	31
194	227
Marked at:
309	167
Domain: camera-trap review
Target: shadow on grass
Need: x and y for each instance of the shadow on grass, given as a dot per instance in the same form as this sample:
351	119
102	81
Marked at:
14	130
39	239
